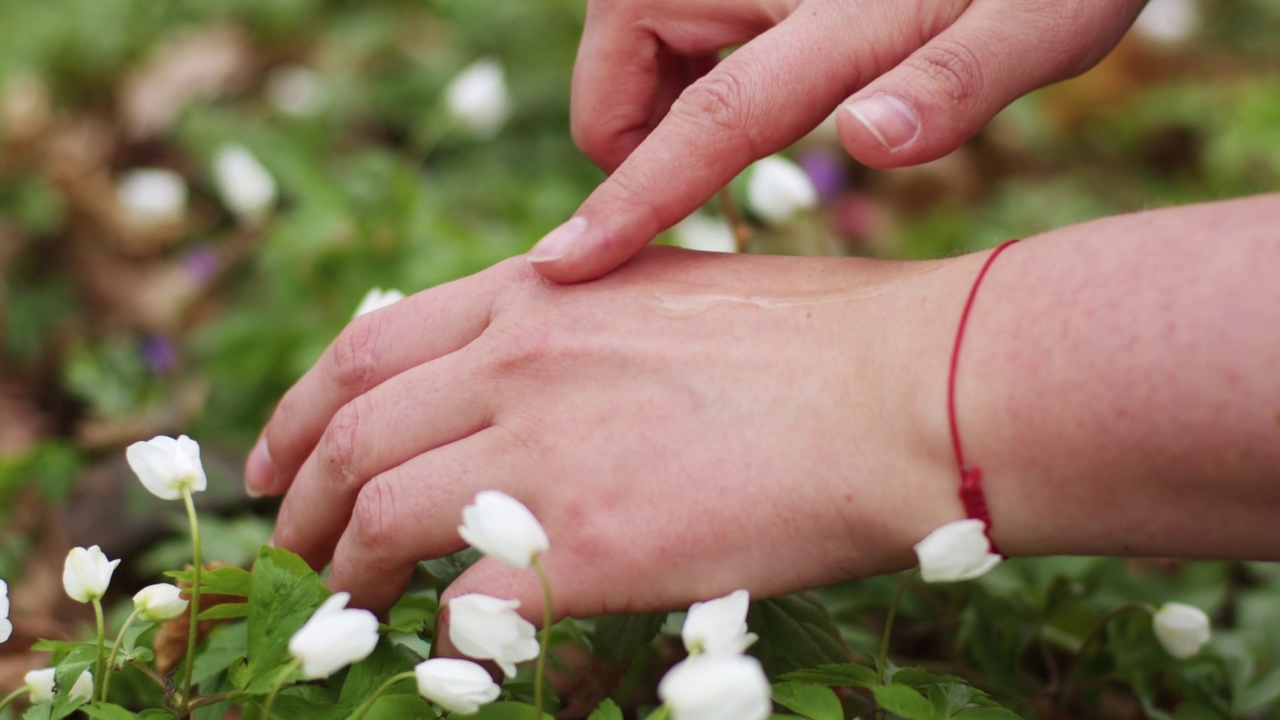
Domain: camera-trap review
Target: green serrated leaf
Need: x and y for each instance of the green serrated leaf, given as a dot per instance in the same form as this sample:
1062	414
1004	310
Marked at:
507	711
233	581
226	611
447	569
108	711
796	631
283	594
987	713
399	706
367	676
905	702
227	643
835	675
812	700
70	668
607	710
948	699
617	638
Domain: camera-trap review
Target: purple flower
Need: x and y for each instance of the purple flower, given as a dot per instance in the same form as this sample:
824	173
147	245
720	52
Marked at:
159	354
202	263
826	170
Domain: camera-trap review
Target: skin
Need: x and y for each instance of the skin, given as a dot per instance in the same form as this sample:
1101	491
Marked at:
671	126
1117	386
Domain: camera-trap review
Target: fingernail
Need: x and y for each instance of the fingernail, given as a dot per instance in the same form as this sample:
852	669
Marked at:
260	472
559	242
890	120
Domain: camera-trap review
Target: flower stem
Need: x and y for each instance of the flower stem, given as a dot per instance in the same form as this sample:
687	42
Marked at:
540	672
12	696
275	687
1057	691
115	650
367	704
883	661
193	629
102	640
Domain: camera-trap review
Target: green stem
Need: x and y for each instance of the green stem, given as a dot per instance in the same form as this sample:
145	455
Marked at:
115	650
12	696
883	660
275	687
364	707
102	640
1058	691
540	672
193	629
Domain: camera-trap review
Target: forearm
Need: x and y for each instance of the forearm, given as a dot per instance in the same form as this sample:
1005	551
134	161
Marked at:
1119	384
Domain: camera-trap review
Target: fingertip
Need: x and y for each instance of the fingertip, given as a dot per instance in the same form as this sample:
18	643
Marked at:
882	130
260	471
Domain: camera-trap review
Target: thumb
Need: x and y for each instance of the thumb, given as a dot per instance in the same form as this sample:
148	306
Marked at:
943	93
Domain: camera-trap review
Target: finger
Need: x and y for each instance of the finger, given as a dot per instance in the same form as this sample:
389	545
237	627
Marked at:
760	99
371	349
413	413
944	93
412	513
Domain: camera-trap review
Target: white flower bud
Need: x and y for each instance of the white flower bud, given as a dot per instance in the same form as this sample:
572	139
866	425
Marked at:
1181	629
956	551
296	90
40	685
718	626
777	189
334	637
87	573
717	687
246	187
477	98
167	466
6	626
486	628
500	526
459	686
160	602
376	299
701	231
151	196
1168	21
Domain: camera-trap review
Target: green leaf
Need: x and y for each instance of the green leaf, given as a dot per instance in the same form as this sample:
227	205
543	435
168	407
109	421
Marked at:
507	711
227	643
399	706
617	638
71	667
835	675
283	594
948	699
366	676
811	700
296	706
108	711
795	632
447	569
233	581
906	702
1260	692
226	611
987	713
607	710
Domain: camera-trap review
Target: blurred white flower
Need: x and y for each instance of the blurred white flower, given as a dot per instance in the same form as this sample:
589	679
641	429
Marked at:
151	196
1182	629
500	526
701	231
246	187
6	626
1168	21
160	602
718	626
40	685
296	90
167	466
334	637
459	686
376	299
477	97
777	189
486	628
956	551
717	687
87	573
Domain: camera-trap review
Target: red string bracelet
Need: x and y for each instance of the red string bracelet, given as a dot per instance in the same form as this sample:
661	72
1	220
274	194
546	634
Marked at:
971	494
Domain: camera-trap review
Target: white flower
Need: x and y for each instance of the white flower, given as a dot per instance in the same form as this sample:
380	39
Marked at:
459	686
497	524
1168	21
6	626
296	90
718	626
87	573
477	98
151	196
246	187
376	299
160	602
701	231
486	628
956	551
167	466
334	637
717	687
777	189
1181	629
40	685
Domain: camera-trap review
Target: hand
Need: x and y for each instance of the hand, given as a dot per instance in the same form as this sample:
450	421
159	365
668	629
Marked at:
914	79
689	425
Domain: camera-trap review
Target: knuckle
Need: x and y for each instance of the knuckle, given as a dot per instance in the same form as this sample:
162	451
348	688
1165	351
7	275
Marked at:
353	356
338	446
518	348
953	68
373	520
720	102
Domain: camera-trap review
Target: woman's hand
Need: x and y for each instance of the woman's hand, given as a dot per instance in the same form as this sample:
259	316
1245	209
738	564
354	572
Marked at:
913	78
689	425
